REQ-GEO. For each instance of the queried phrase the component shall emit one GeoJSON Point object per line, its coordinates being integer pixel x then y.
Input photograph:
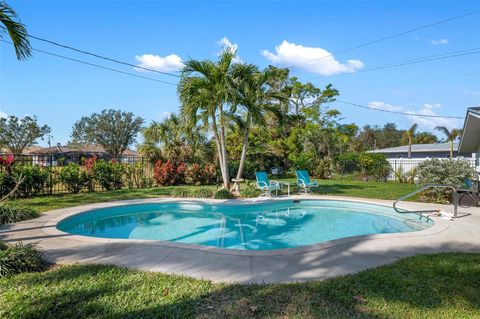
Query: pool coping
{"type": "Point", "coordinates": [50, 227]}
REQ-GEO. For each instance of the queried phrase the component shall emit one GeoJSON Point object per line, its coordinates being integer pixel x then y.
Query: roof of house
{"type": "Point", "coordinates": [26, 151]}
{"type": "Point", "coordinates": [92, 149]}
{"type": "Point", "coordinates": [418, 148]}
{"type": "Point", "coordinates": [470, 142]}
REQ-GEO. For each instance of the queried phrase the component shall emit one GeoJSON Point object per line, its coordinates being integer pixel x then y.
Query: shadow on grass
{"type": "Point", "coordinates": [442, 285]}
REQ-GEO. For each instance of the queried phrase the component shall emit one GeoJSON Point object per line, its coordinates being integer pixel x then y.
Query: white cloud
{"type": "Point", "coordinates": [3, 115]}
{"type": "Point", "coordinates": [439, 41]}
{"type": "Point", "coordinates": [471, 92]}
{"type": "Point", "coordinates": [168, 63]}
{"type": "Point", "coordinates": [165, 115]}
{"type": "Point", "coordinates": [426, 123]}
{"type": "Point", "coordinates": [226, 44]}
{"type": "Point", "coordinates": [379, 105]}
{"type": "Point", "coordinates": [310, 59]}
{"type": "Point", "coordinates": [432, 122]}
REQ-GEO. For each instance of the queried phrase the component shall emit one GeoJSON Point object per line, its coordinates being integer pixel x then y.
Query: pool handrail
{"type": "Point", "coordinates": [455, 199]}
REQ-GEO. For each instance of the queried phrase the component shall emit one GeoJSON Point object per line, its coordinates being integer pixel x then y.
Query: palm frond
{"type": "Point", "coordinates": [16, 30]}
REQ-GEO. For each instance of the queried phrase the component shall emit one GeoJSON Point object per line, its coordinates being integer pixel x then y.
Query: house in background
{"type": "Point", "coordinates": [26, 151]}
{"type": "Point", "coordinates": [62, 155]}
{"type": "Point", "coordinates": [470, 142]}
{"type": "Point", "coordinates": [423, 151]}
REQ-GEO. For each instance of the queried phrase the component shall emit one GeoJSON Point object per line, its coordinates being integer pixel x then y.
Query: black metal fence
{"type": "Point", "coordinates": [45, 178]}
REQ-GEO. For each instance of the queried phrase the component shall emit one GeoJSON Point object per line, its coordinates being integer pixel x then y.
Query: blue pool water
{"type": "Point", "coordinates": [271, 225]}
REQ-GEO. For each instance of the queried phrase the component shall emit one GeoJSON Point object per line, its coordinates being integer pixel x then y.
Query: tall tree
{"type": "Point", "coordinates": [16, 31]}
{"type": "Point", "coordinates": [425, 138]}
{"type": "Point", "coordinates": [451, 136]}
{"type": "Point", "coordinates": [170, 140]}
{"type": "Point", "coordinates": [409, 135]}
{"type": "Point", "coordinates": [206, 92]}
{"type": "Point", "coordinates": [113, 129]}
{"type": "Point", "coordinates": [17, 134]}
{"type": "Point", "coordinates": [256, 95]}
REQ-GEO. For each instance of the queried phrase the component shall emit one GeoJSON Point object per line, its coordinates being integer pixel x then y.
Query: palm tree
{"type": "Point", "coordinates": [205, 90]}
{"type": "Point", "coordinates": [16, 30]}
{"type": "Point", "coordinates": [409, 135]}
{"type": "Point", "coordinates": [170, 140]}
{"type": "Point", "coordinates": [451, 136]}
{"type": "Point", "coordinates": [256, 96]}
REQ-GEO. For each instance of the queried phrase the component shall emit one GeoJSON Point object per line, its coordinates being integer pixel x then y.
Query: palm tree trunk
{"type": "Point", "coordinates": [244, 148]}
{"type": "Point", "coordinates": [223, 150]}
{"type": "Point", "coordinates": [409, 147]}
{"type": "Point", "coordinates": [219, 149]}
{"type": "Point", "coordinates": [451, 149]}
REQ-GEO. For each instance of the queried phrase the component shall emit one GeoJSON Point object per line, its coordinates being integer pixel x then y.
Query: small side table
{"type": "Point", "coordinates": [285, 184]}
{"type": "Point", "coordinates": [236, 185]}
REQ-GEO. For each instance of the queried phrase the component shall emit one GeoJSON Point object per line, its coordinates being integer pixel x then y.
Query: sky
{"type": "Point", "coordinates": [313, 38]}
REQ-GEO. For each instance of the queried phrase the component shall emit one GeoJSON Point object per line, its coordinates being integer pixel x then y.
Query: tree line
{"type": "Point", "coordinates": [230, 113]}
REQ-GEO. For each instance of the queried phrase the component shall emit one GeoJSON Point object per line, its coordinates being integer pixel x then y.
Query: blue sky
{"type": "Point", "coordinates": [59, 92]}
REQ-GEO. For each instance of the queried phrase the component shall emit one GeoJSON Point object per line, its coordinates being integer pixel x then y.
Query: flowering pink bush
{"type": "Point", "coordinates": [7, 160]}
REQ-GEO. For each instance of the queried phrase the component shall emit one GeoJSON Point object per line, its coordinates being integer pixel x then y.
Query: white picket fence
{"type": "Point", "coordinates": [405, 165]}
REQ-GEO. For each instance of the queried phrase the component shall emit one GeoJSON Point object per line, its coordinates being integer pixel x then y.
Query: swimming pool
{"type": "Point", "coordinates": [257, 226]}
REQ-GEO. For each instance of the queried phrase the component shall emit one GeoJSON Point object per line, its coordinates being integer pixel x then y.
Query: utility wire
{"type": "Point", "coordinates": [97, 55]}
{"type": "Point", "coordinates": [424, 59]}
{"type": "Point", "coordinates": [388, 37]}
{"type": "Point", "coordinates": [97, 65]}
{"type": "Point", "coordinates": [397, 112]}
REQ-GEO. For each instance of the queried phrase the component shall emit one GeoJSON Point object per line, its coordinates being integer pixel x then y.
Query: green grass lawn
{"type": "Point", "coordinates": [327, 187]}
{"type": "Point", "coordinates": [428, 286]}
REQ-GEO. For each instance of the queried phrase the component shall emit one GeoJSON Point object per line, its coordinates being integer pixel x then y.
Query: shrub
{"type": "Point", "coordinates": [168, 173]}
{"type": "Point", "coordinates": [196, 174]}
{"type": "Point", "coordinates": [370, 165]}
{"type": "Point", "coordinates": [12, 214]}
{"type": "Point", "coordinates": [133, 175]}
{"type": "Point", "coordinates": [322, 168]}
{"type": "Point", "coordinates": [210, 174]}
{"type": "Point", "coordinates": [450, 172]}
{"type": "Point", "coordinates": [35, 179]}
{"type": "Point", "coordinates": [201, 192]}
{"type": "Point", "coordinates": [180, 192]}
{"type": "Point", "coordinates": [250, 192]}
{"type": "Point", "coordinates": [108, 174]}
{"type": "Point", "coordinates": [146, 182]}
{"type": "Point", "coordinates": [73, 178]}
{"type": "Point", "coordinates": [164, 173]}
{"type": "Point", "coordinates": [179, 177]}
{"type": "Point", "coordinates": [374, 166]}
{"type": "Point", "coordinates": [19, 258]}
{"type": "Point", "coordinates": [89, 173]}
{"type": "Point", "coordinates": [223, 194]}
{"type": "Point", "coordinates": [3, 246]}
{"type": "Point", "coordinates": [406, 177]}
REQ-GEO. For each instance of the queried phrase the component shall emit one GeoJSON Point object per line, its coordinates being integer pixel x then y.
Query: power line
{"type": "Point", "coordinates": [398, 112]}
{"type": "Point", "coordinates": [97, 55]}
{"type": "Point", "coordinates": [430, 58]}
{"type": "Point", "coordinates": [388, 37]}
{"type": "Point", "coordinates": [96, 65]}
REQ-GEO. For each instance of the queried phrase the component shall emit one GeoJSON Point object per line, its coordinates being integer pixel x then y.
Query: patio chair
{"type": "Point", "coordinates": [265, 185]}
{"type": "Point", "coordinates": [470, 195]}
{"type": "Point", "coordinates": [304, 182]}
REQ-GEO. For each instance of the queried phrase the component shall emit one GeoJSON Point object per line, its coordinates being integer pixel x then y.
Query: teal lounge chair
{"type": "Point", "coordinates": [304, 182]}
{"type": "Point", "coordinates": [265, 185]}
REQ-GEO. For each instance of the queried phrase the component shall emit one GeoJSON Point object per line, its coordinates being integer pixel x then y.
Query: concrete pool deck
{"type": "Point", "coordinates": [315, 262]}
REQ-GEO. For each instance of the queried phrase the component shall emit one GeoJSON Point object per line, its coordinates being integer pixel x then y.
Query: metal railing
{"type": "Point", "coordinates": [455, 199]}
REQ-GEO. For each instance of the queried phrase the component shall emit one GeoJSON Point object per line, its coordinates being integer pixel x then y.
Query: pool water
{"type": "Point", "coordinates": [259, 226]}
